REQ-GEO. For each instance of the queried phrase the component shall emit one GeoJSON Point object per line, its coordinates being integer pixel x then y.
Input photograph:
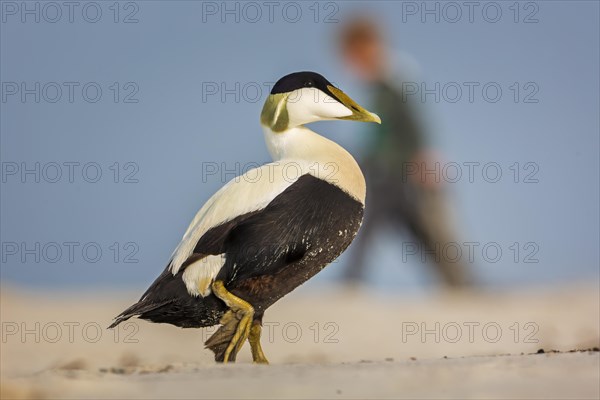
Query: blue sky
{"type": "Point", "coordinates": [179, 94]}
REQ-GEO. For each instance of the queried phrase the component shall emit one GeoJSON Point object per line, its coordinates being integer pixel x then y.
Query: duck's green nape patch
{"type": "Point", "coordinates": [274, 113]}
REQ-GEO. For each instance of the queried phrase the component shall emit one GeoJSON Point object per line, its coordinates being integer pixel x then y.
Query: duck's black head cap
{"type": "Point", "coordinates": [299, 80]}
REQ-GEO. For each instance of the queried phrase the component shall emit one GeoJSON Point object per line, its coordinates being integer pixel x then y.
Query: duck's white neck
{"type": "Point", "coordinates": [320, 156]}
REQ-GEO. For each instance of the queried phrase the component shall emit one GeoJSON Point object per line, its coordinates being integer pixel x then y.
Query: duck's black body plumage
{"type": "Point", "coordinates": [268, 253]}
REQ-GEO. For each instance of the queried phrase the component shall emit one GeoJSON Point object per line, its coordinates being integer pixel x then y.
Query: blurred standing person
{"type": "Point", "coordinates": [402, 189]}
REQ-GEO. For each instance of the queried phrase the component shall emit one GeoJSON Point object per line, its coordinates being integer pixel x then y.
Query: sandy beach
{"type": "Point", "coordinates": [321, 344]}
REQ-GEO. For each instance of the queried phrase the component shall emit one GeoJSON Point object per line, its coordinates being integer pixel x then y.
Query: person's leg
{"type": "Point", "coordinates": [430, 224]}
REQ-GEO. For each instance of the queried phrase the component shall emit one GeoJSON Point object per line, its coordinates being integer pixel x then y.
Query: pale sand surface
{"type": "Point", "coordinates": [335, 344]}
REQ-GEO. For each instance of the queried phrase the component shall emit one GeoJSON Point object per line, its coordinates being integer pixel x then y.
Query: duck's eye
{"type": "Point", "coordinates": [308, 84]}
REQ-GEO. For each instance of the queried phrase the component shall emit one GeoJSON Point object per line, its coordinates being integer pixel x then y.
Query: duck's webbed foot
{"type": "Point", "coordinates": [236, 326]}
{"type": "Point", "coordinates": [257, 353]}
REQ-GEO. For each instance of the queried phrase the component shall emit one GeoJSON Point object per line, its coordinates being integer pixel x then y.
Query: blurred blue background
{"type": "Point", "coordinates": [159, 119]}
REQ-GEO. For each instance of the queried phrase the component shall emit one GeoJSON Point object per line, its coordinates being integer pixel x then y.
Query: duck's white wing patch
{"type": "Point", "coordinates": [251, 191]}
{"type": "Point", "coordinates": [199, 275]}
